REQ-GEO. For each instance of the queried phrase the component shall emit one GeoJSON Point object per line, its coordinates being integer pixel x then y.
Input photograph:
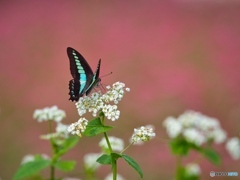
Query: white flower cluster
{"type": "Point", "coordinates": [117, 144]}
{"type": "Point", "coordinates": [97, 102]}
{"type": "Point", "coordinates": [110, 177]}
{"type": "Point", "coordinates": [143, 134]}
{"type": "Point", "coordinates": [30, 158]}
{"type": "Point", "coordinates": [233, 147]}
{"type": "Point", "coordinates": [59, 136]}
{"type": "Point", "coordinates": [62, 129]}
{"type": "Point", "coordinates": [195, 127]}
{"type": "Point", "coordinates": [49, 113]}
{"type": "Point", "coordinates": [90, 161]}
{"type": "Point", "coordinates": [78, 127]}
{"type": "Point", "coordinates": [193, 169]}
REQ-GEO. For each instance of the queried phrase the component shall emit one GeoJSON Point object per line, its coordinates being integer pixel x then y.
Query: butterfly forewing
{"type": "Point", "coordinates": [78, 63]}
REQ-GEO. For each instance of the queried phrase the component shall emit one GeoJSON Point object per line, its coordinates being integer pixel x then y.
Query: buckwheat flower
{"type": "Point", "coordinates": [189, 118]}
{"type": "Point", "coordinates": [49, 113]}
{"type": "Point", "coordinates": [195, 127]}
{"type": "Point", "coordinates": [233, 148]}
{"type": "Point", "coordinates": [62, 129]}
{"type": "Point", "coordinates": [90, 162]}
{"type": "Point", "coordinates": [111, 112]}
{"type": "Point", "coordinates": [117, 144]}
{"type": "Point", "coordinates": [30, 158]}
{"type": "Point", "coordinates": [101, 102]}
{"type": "Point", "coordinates": [27, 158]}
{"type": "Point", "coordinates": [115, 93]}
{"type": "Point", "coordinates": [59, 136]}
{"type": "Point", "coordinates": [194, 136]}
{"type": "Point", "coordinates": [78, 127]}
{"type": "Point", "coordinates": [50, 136]}
{"type": "Point", "coordinates": [83, 104]}
{"type": "Point", "coordinates": [193, 169]}
{"type": "Point", "coordinates": [218, 135]}
{"type": "Point", "coordinates": [96, 105]}
{"type": "Point", "coordinates": [91, 104]}
{"type": "Point", "coordinates": [144, 134]}
{"type": "Point", "coordinates": [109, 177]}
{"type": "Point", "coordinates": [208, 123]}
{"type": "Point", "coordinates": [173, 127]}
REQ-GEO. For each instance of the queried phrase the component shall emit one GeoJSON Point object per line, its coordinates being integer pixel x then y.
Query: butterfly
{"type": "Point", "coordinates": [84, 80]}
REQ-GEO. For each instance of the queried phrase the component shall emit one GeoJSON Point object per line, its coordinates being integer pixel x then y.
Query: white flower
{"type": "Point", "coordinates": [111, 112]}
{"type": "Point", "coordinates": [27, 158]}
{"type": "Point", "coordinates": [97, 102]}
{"type": "Point", "coordinates": [117, 144]}
{"type": "Point", "coordinates": [195, 127]}
{"type": "Point", "coordinates": [78, 127]}
{"type": "Point", "coordinates": [218, 135]}
{"type": "Point", "coordinates": [189, 118]}
{"type": "Point", "coordinates": [194, 136]}
{"type": "Point", "coordinates": [110, 176]}
{"type": "Point", "coordinates": [207, 123]}
{"type": "Point", "coordinates": [233, 148]}
{"type": "Point", "coordinates": [193, 169]}
{"type": "Point", "coordinates": [173, 127]}
{"type": "Point", "coordinates": [143, 134]}
{"type": "Point", "coordinates": [30, 158]}
{"type": "Point", "coordinates": [90, 161]}
{"type": "Point", "coordinates": [59, 136]}
{"type": "Point", "coordinates": [49, 113]}
{"type": "Point", "coordinates": [62, 129]}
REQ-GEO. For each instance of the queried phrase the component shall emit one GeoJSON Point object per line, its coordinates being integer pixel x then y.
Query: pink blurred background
{"type": "Point", "coordinates": [174, 55]}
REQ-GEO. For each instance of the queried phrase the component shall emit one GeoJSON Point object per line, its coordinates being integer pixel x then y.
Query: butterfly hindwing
{"type": "Point", "coordinates": [83, 78]}
{"type": "Point", "coordinates": [74, 87]}
{"type": "Point", "coordinates": [95, 78]}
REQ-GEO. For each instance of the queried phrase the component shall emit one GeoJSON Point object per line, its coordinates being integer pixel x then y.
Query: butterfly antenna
{"type": "Point", "coordinates": [106, 74]}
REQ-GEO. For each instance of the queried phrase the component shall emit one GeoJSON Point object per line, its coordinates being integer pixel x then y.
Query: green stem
{"type": "Point", "coordinates": [179, 161]}
{"type": "Point", "coordinates": [114, 169]}
{"type": "Point", "coordinates": [178, 167]}
{"type": "Point", "coordinates": [126, 148]}
{"type": "Point", "coordinates": [114, 161]}
{"type": "Point", "coordinates": [108, 143]}
{"type": "Point", "coordinates": [52, 172]}
{"type": "Point", "coordinates": [52, 168]}
{"type": "Point", "coordinates": [89, 174]}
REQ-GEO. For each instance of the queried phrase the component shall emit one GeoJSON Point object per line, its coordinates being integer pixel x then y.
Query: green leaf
{"type": "Point", "coordinates": [31, 168]}
{"type": "Point", "coordinates": [115, 156]}
{"type": "Point", "coordinates": [133, 163]}
{"type": "Point", "coordinates": [65, 165]}
{"type": "Point", "coordinates": [95, 127]}
{"type": "Point", "coordinates": [68, 144]}
{"type": "Point", "coordinates": [179, 146]}
{"type": "Point", "coordinates": [105, 159]}
{"type": "Point", "coordinates": [212, 156]}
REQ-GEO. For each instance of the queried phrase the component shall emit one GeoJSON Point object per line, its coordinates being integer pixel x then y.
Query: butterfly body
{"type": "Point", "coordinates": [84, 80]}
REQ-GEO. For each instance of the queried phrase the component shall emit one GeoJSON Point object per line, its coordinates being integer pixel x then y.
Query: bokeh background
{"type": "Point", "coordinates": [174, 55]}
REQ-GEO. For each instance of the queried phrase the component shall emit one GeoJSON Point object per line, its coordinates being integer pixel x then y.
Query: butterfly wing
{"type": "Point", "coordinates": [81, 72]}
{"type": "Point", "coordinates": [95, 78]}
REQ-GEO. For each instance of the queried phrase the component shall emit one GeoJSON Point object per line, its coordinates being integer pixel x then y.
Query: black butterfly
{"type": "Point", "coordinates": [83, 78]}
